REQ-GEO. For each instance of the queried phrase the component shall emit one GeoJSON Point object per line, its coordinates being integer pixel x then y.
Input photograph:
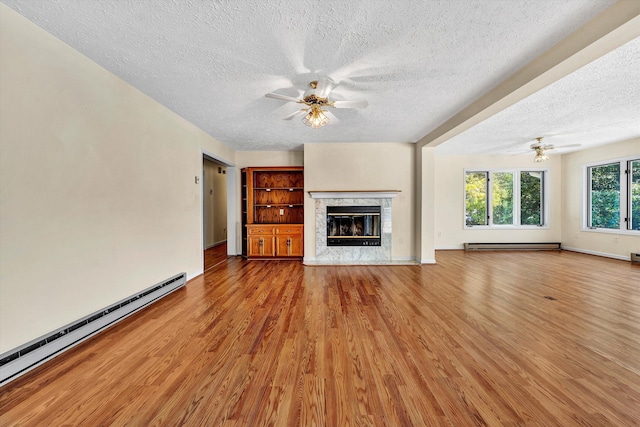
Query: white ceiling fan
{"type": "Point", "coordinates": [315, 100]}
{"type": "Point", "coordinates": [540, 149]}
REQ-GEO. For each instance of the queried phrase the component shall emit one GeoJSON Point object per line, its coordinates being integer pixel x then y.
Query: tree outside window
{"type": "Point", "coordinates": [605, 196]}
{"type": "Point", "coordinates": [514, 198]}
{"type": "Point", "coordinates": [634, 184]}
{"type": "Point", "coordinates": [502, 197]}
{"type": "Point", "coordinates": [613, 195]}
{"type": "Point", "coordinates": [476, 198]}
{"type": "Point", "coordinates": [531, 187]}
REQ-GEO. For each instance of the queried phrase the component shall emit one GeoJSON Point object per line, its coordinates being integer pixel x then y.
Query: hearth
{"type": "Point", "coordinates": [353, 226]}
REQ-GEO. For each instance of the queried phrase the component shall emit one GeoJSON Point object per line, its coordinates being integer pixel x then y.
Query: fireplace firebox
{"type": "Point", "coordinates": [353, 226]}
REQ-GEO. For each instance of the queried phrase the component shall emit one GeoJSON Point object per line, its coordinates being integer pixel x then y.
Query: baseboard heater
{"type": "Point", "coordinates": [553, 246]}
{"type": "Point", "coordinates": [635, 258]}
{"type": "Point", "coordinates": [34, 353]}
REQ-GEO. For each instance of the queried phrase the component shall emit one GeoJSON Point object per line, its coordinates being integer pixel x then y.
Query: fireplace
{"type": "Point", "coordinates": [378, 248]}
{"type": "Point", "coordinates": [353, 226]}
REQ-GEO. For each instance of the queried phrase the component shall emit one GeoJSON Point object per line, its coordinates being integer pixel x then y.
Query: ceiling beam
{"type": "Point", "coordinates": [606, 32]}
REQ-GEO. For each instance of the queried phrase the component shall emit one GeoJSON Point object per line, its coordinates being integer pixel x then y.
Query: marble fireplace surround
{"type": "Point", "coordinates": [352, 255]}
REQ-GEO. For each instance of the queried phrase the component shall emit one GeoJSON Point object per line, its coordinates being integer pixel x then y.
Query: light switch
{"type": "Point", "coordinates": [281, 211]}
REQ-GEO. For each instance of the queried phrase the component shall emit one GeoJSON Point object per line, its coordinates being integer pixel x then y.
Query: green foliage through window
{"type": "Point", "coordinates": [531, 198]}
{"type": "Point", "coordinates": [516, 198]}
{"type": "Point", "coordinates": [476, 198]}
{"type": "Point", "coordinates": [502, 195]}
{"type": "Point", "coordinates": [634, 184]}
{"type": "Point", "coordinates": [614, 195]}
{"type": "Point", "coordinates": [605, 196]}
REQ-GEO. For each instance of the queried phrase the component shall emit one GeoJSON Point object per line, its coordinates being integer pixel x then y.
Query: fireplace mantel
{"type": "Point", "coordinates": [354, 194]}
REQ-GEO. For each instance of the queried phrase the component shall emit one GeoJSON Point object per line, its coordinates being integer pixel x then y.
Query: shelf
{"type": "Point", "coordinates": [274, 197]}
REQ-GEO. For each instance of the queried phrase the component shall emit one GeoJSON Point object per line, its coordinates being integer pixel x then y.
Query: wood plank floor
{"type": "Point", "coordinates": [470, 341]}
{"type": "Point", "coordinates": [215, 255]}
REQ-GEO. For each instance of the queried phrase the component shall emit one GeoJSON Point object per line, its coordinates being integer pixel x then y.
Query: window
{"type": "Point", "coordinates": [476, 198]}
{"type": "Point", "coordinates": [634, 189]}
{"type": "Point", "coordinates": [613, 195]}
{"type": "Point", "coordinates": [505, 198]}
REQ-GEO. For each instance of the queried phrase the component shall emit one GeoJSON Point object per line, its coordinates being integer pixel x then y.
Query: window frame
{"type": "Point", "coordinates": [625, 196]}
{"type": "Point", "coordinates": [517, 199]}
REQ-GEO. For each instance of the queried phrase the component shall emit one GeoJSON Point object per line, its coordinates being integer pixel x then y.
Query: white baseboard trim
{"type": "Point", "coordinates": [603, 254]}
{"type": "Point", "coordinates": [404, 259]}
{"type": "Point", "coordinates": [450, 248]}
{"type": "Point", "coordinates": [428, 261]}
{"type": "Point", "coordinates": [194, 275]}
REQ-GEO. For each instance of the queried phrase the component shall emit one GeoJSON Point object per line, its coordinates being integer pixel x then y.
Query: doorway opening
{"type": "Point", "coordinates": [218, 237]}
{"type": "Point", "coordinates": [214, 189]}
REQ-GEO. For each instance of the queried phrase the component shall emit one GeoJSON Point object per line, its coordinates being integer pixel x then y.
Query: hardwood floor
{"type": "Point", "coordinates": [215, 255]}
{"type": "Point", "coordinates": [473, 340]}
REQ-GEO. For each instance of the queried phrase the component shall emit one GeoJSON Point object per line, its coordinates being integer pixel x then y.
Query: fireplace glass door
{"type": "Point", "coordinates": [353, 226]}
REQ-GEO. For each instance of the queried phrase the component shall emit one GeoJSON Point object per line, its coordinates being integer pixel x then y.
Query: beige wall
{"type": "Point", "coordinates": [449, 198]}
{"type": "Point", "coordinates": [573, 235]}
{"type": "Point", "coordinates": [269, 158]}
{"type": "Point", "coordinates": [363, 166]}
{"type": "Point", "coordinates": [97, 192]}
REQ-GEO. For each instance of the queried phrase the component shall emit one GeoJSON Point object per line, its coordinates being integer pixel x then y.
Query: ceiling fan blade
{"type": "Point", "coordinates": [282, 97]}
{"type": "Point", "coordinates": [332, 118]}
{"type": "Point", "coordinates": [296, 114]}
{"type": "Point", "coordinates": [323, 87]}
{"type": "Point", "coordinates": [568, 146]}
{"type": "Point", "coordinates": [350, 104]}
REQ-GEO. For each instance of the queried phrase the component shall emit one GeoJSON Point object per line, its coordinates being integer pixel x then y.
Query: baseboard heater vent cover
{"type": "Point", "coordinates": [553, 246]}
{"type": "Point", "coordinates": [32, 354]}
{"type": "Point", "coordinates": [635, 258]}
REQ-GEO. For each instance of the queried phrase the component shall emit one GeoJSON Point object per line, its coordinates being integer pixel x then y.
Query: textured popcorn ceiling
{"type": "Point", "coordinates": [416, 62]}
{"type": "Point", "coordinates": [597, 104]}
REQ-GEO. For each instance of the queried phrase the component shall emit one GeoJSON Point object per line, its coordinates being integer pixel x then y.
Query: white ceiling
{"type": "Point", "coordinates": [416, 62]}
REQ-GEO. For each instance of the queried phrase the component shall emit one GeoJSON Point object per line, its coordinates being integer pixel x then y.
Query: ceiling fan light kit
{"type": "Point", "coordinates": [539, 148]}
{"type": "Point", "coordinates": [540, 155]}
{"type": "Point", "coordinates": [315, 116]}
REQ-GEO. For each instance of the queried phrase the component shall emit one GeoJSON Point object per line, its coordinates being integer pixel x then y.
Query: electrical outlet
{"type": "Point", "coordinates": [281, 211]}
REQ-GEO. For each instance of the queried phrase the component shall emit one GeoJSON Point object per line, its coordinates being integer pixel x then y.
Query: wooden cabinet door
{"type": "Point", "coordinates": [296, 246]}
{"type": "Point", "coordinates": [289, 245]}
{"type": "Point", "coordinates": [260, 246]}
{"type": "Point", "coordinates": [289, 240]}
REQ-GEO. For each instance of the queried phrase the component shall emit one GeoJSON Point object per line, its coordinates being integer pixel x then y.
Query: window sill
{"type": "Point", "coordinates": [506, 227]}
{"type": "Point", "coordinates": [612, 231]}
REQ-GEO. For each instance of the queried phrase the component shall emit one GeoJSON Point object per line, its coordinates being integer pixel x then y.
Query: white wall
{"type": "Point", "coordinates": [363, 166]}
{"type": "Point", "coordinates": [98, 198]}
{"type": "Point", "coordinates": [573, 235]}
{"type": "Point", "coordinates": [449, 196]}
